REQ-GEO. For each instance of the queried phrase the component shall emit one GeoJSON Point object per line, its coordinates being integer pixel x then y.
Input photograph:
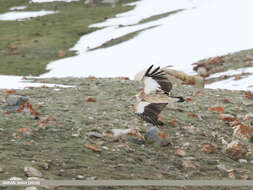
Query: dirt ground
{"type": "Point", "coordinates": [56, 144]}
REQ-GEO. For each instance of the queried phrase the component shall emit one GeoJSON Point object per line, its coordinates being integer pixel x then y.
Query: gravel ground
{"type": "Point", "coordinates": [60, 146]}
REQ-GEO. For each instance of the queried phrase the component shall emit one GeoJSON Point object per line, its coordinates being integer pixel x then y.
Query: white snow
{"type": "Point", "coordinates": [24, 14]}
{"type": "Point", "coordinates": [18, 8]}
{"type": "Point", "coordinates": [205, 28]}
{"type": "Point", "coordinates": [16, 82]}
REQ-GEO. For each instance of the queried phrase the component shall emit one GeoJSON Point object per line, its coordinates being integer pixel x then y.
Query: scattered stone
{"type": "Point", "coordinates": [105, 147]}
{"type": "Point", "coordinates": [248, 116]}
{"type": "Point", "coordinates": [223, 168]}
{"type": "Point", "coordinates": [155, 135]}
{"type": "Point", "coordinates": [202, 71]}
{"type": "Point", "coordinates": [80, 177]}
{"type": "Point", "coordinates": [61, 53]}
{"type": "Point", "coordinates": [15, 178]}
{"type": "Point", "coordinates": [243, 161]}
{"type": "Point", "coordinates": [231, 175]}
{"type": "Point", "coordinates": [94, 134]}
{"type": "Point", "coordinates": [1, 170]}
{"type": "Point", "coordinates": [31, 188]}
{"type": "Point", "coordinates": [188, 164]}
{"type": "Point", "coordinates": [32, 172]}
{"type": "Point", "coordinates": [90, 99]}
{"type": "Point", "coordinates": [243, 132]}
{"type": "Point", "coordinates": [180, 152]}
{"type": "Point", "coordinates": [92, 178]}
{"type": "Point", "coordinates": [45, 166]}
{"type": "Point", "coordinates": [191, 129]}
{"type": "Point", "coordinates": [208, 147]}
{"type": "Point", "coordinates": [26, 132]}
{"type": "Point", "coordinates": [226, 117]}
{"type": "Point", "coordinates": [14, 102]}
{"type": "Point", "coordinates": [186, 144]}
{"type": "Point", "coordinates": [75, 133]}
{"type": "Point", "coordinates": [235, 150]}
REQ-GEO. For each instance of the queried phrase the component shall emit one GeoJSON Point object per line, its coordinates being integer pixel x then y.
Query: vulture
{"type": "Point", "coordinates": [155, 96]}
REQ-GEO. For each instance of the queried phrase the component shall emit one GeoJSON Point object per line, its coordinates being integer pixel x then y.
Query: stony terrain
{"type": "Point", "coordinates": [56, 139]}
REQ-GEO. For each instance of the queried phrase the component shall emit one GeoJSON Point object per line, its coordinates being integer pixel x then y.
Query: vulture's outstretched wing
{"type": "Point", "coordinates": [156, 80]}
{"type": "Point", "coordinates": [149, 111]}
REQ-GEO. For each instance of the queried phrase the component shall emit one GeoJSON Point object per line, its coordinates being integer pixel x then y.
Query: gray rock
{"type": "Point", "coordinates": [31, 188]}
{"type": "Point", "coordinates": [32, 172]}
{"type": "Point", "coordinates": [14, 102]}
{"type": "Point", "coordinates": [155, 135]}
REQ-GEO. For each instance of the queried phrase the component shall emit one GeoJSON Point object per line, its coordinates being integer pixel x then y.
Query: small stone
{"type": "Point", "coordinates": [180, 152]}
{"type": "Point", "coordinates": [231, 175]}
{"type": "Point", "coordinates": [1, 170]}
{"type": "Point", "coordinates": [14, 102]}
{"type": "Point", "coordinates": [61, 53]}
{"type": "Point", "coordinates": [186, 144]}
{"type": "Point", "coordinates": [45, 166]}
{"type": "Point", "coordinates": [188, 164]}
{"type": "Point", "coordinates": [223, 168]}
{"type": "Point", "coordinates": [80, 177]}
{"type": "Point", "coordinates": [208, 147]}
{"type": "Point", "coordinates": [202, 71]}
{"type": "Point", "coordinates": [75, 133]}
{"type": "Point", "coordinates": [32, 172]}
{"type": "Point", "coordinates": [242, 161]}
{"type": "Point", "coordinates": [94, 134]}
{"type": "Point", "coordinates": [226, 117]}
{"type": "Point", "coordinates": [105, 147]}
{"type": "Point", "coordinates": [15, 178]}
{"type": "Point", "coordinates": [191, 129]}
{"type": "Point", "coordinates": [31, 188]}
{"type": "Point", "coordinates": [26, 131]}
{"type": "Point", "coordinates": [235, 150]}
{"type": "Point", "coordinates": [155, 135]}
{"type": "Point", "coordinates": [92, 178]}
{"type": "Point", "coordinates": [34, 178]}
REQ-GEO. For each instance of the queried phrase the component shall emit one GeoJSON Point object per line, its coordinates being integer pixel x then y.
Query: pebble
{"type": "Point", "coordinates": [155, 135]}
{"type": "Point", "coordinates": [1, 170]}
{"type": "Point", "coordinates": [31, 188]}
{"type": "Point", "coordinates": [180, 152]}
{"type": "Point", "coordinates": [242, 161]}
{"type": "Point", "coordinates": [13, 102]}
{"type": "Point", "coordinates": [80, 177]}
{"type": "Point", "coordinates": [94, 134]}
{"type": "Point", "coordinates": [105, 148]}
{"type": "Point", "coordinates": [15, 178]}
{"type": "Point", "coordinates": [202, 71]}
{"type": "Point", "coordinates": [32, 172]}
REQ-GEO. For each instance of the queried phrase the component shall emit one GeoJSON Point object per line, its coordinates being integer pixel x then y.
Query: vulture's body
{"type": "Point", "coordinates": [155, 96]}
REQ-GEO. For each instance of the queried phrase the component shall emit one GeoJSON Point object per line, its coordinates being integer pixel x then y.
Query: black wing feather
{"type": "Point", "coordinates": [160, 78]}
{"type": "Point", "coordinates": [151, 113]}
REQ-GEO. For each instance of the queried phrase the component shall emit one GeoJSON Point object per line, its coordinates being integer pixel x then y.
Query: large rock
{"type": "Point", "coordinates": [14, 102]}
